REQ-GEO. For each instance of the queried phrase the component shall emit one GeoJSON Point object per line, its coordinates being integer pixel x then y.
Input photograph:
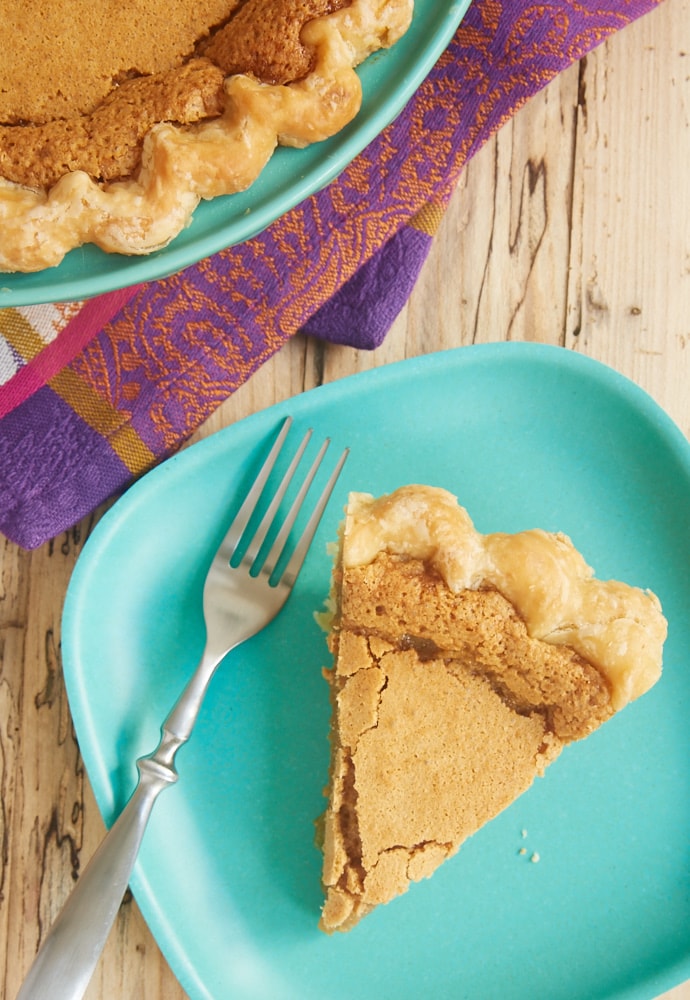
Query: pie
{"type": "Point", "coordinates": [113, 135]}
{"type": "Point", "coordinates": [464, 663]}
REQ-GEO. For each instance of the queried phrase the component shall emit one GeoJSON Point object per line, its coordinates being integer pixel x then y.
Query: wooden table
{"type": "Point", "coordinates": [571, 227]}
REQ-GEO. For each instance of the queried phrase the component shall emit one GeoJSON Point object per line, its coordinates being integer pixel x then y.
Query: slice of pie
{"type": "Point", "coordinates": [463, 664]}
{"type": "Point", "coordinates": [116, 120]}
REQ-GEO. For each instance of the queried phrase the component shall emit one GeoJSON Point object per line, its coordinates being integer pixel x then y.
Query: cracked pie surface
{"type": "Point", "coordinates": [463, 663]}
{"type": "Point", "coordinates": [116, 119]}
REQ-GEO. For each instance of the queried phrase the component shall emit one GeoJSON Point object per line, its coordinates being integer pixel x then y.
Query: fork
{"type": "Point", "coordinates": [242, 593]}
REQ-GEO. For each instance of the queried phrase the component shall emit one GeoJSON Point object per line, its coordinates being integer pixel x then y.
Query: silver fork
{"type": "Point", "coordinates": [238, 602]}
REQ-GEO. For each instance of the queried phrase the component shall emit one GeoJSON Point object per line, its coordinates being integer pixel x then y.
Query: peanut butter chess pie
{"type": "Point", "coordinates": [463, 664]}
{"type": "Point", "coordinates": [117, 118]}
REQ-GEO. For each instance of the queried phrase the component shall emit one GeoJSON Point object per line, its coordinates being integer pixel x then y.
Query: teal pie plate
{"type": "Point", "coordinates": [389, 79]}
{"type": "Point", "coordinates": [228, 877]}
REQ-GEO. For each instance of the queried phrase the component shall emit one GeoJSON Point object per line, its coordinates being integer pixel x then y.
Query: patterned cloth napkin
{"type": "Point", "coordinates": [92, 394]}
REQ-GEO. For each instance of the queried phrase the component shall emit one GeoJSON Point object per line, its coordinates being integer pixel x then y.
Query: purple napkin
{"type": "Point", "coordinates": [85, 412]}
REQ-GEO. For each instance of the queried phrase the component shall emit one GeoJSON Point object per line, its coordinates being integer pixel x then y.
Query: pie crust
{"type": "Point", "coordinates": [464, 663]}
{"type": "Point", "coordinates": [233, 123]}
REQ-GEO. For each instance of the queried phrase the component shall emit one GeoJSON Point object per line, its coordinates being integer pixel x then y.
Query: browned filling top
{"type": "Point", "coordinates": [90, 98]}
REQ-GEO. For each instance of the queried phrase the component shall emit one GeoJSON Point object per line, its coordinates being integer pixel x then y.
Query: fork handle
{"type": "Point", "coordinates": [70, 952]}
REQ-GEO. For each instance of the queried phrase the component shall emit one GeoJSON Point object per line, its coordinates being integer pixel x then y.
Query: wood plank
{"type": "Point", "coordinates": [629, 294]}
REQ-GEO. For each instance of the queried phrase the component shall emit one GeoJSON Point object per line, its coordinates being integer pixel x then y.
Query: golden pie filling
{"type": "Point", "coordinates": [116, 120]}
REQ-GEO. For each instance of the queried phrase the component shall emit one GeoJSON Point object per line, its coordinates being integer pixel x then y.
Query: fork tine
{"type": "Point", "coordinates": [267, 520]}
{"type": "Point", "coordinates": [282, 536]}
{"type": "Point", "coordinates": [236, 529]}
{"type": "Point", "coordinates": [294, 565]}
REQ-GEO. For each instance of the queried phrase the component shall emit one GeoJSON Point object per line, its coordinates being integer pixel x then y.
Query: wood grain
{"type": "Point", "coordinates": [570, 227]}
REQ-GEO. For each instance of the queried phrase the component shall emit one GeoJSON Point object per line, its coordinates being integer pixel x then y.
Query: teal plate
{"type": "Point", "coordinates": [389, 79]}
{"type": "Point", "coordinates": [228, 877]}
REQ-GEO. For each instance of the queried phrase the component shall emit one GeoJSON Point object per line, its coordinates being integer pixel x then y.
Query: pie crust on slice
{"type": "Point", "coordinates": [463, 664]}
{"type": "Point", "coordinates": [117, 119]}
